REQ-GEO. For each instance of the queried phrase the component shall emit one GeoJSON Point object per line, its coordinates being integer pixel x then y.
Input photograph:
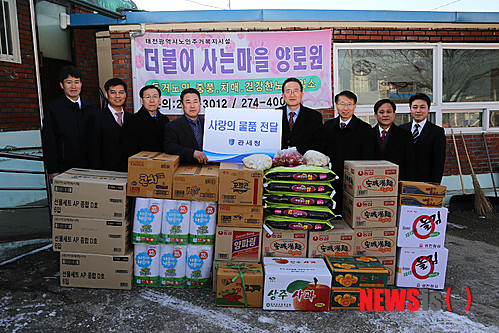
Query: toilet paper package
{"type": "Point", "coordinates": [175, 221]}
{"type": "Point", "coordinates": [203, 222]}
{"type": "Point", "coordinates": [146, 264]}
{"type": "Point", "coordinates": [199, 262]}
{"type": "Point", "coordinates": [147, 221]}
{"type": "Point", "coordinates": [172, 265]}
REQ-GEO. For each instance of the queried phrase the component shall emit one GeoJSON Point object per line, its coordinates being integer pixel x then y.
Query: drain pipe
{"type": "Point", "coordinates": [134, 34]}
{"type": "Point", "coordinates": [36, 59]}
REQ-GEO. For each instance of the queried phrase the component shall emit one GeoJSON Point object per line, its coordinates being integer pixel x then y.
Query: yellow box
{"type": "Point", "coordinates": [421, 200]}
{"type": "Point", "coordinates": [196, 182]}
{"type": "Point", "coordinates": [420, 188]}
{"type": "Point", "coordinates": [240, 216]}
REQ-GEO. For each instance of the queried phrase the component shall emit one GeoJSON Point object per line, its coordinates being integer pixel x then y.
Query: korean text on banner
{"type": "Point", "coordinates": [232, 134]}
{"type": "Point", "coordinates": [234, 70]}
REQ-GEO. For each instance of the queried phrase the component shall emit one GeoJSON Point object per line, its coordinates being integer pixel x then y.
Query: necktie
{"type": "Point", "coordinates": [415, 134]}
{"type": "Point", "coordinates": [120, 118]}
{"type": "Point", "coordinates": [291, 121]}
{"type": "Point", "coordinates": [198, 134]}
{"type": "Point", "coordinates": [383, 134]}
{"type": "Point", "coordinates": [343, 125]}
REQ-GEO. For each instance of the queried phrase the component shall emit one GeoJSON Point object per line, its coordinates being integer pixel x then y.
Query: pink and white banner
{"type": "Point", "coordinates": [234, 70]}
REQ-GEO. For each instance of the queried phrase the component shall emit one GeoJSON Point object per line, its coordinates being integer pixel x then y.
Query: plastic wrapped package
{"type": "Point", "coordinates": [258, 162]}
{"type": "Point", "coordinates": [313, 157]}
{"type": "Point", "coordinates": [287, 157]}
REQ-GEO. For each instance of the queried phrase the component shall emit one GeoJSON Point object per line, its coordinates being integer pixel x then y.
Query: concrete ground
{"type": "Point", "coordinates": [33, 301]}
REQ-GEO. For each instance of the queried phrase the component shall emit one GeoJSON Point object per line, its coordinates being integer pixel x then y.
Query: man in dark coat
{"type": "Point", "coordinates": [344, 138]}
{"type": "Point", "coordinates": [392, 143]}
{"type": "Point", "coordinates": [66, 125]}
{"type": "Point", "coordinates": [184, 135]}
{"type": "Point", "coordinates": [299, 123]}
{"type": "Point", "coordinates": [107, 149]}
{"type": "Point", "coordinates": [145, 130]}
{"type": "Point", "coordinates": [429, 141]}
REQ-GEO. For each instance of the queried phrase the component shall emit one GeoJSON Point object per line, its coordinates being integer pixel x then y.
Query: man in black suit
{"type": "Point", "coordinates": [107, 149]}
{"type": "Point", "coordinates": [429, 141]}
{"type": "Point", "coordinates": [145, 130]}
{"type": "Point", "coordinates": [184, 135]}
{"type": "Point", "coordinates": [393, 143]}
{"type": "Point", "coordinates": [66, 125]}
{"type": "Point", "coordinates": [344, 138]}
{"type": "Point", "coordinates": [299, 123]}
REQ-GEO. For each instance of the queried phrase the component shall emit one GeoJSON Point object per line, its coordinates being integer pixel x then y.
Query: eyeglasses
{"type": "Point", "coordinates": [345, 104]}
{"type": "Point", "coordinates": [289, 92]}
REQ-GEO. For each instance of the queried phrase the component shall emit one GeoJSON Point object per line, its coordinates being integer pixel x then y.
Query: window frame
{"type": "Point", "coordinates": [437, 106]}
{"type": "Point", "coordinates": [16, 50]}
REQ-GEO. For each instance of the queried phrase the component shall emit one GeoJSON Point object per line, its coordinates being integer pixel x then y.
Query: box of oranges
{"type": "Point", "coordinates": [357, 272]}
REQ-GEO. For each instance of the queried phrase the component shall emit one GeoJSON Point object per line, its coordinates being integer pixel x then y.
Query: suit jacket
{"type": "Point", "coordinates": [398, 148]}
{"type": "Point", "coordinates": [143, 132]}
{"type": "Point", "coordinates": [65, 133]}
{"type": "Point", "coordinates": [307, 124]}
{"type": "Point", "coordinates": [180, 140]}
{"type": "Point", "coordinates": [429, 152]}
{"type": "Point", "coordinates": [107, 147]}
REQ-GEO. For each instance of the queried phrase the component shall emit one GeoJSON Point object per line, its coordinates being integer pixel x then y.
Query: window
{"type": "Point", "coordinates": [462, 118]}
{"type": "Point", "coordinates": [494, 118]}
{"type": "Point", "coordinates": [9, 37]}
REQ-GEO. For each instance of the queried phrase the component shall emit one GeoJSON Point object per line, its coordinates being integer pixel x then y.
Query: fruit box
{"type": "Point", "coordinates": [357, 272]}
{"type": "Point", "coordinates": [345, 299]}
{"type": "Point", "coordinates": [230, 288]}
{"type": "Point", "coordinates": [299, 284]}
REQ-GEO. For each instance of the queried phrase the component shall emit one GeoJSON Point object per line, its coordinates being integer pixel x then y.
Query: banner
{"type": "Point", "coordinates": [231, 135]}
{"type": "Point", "coordinates": [234, 70]}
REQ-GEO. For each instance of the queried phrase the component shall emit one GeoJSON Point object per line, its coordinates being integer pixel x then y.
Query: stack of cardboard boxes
{"type": "Point", "coordinates": [422, 222]}
{"type": "Point", "coordinates": [91, 229]}
{"type": "Point", "coordinates": [370, 208]}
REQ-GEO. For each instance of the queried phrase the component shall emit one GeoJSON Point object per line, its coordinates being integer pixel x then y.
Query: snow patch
{"type": "Point", "coordinates": [457, 226]}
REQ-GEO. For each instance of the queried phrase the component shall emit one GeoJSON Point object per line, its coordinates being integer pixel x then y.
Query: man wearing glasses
{"type": "Point", "coordinates": [299, 123]}
{"type": "Point", "coordinates": [144, 131]}
{"type": "Point", "coordinates": [344, 138]}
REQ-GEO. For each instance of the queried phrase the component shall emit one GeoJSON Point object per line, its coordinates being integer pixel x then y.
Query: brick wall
{"type": "Point", "coordinates": [18, 93]}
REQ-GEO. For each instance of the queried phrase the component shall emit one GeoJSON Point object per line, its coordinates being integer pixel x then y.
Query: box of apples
{"type": "Point", "coordinates": [298, 284]}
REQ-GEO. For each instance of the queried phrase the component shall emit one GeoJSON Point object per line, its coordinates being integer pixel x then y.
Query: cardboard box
{"type": "Point", "coordinates": [240, 185]}
{"type": "Point", "coordinates": [378, 242]}
{"type": "Point", "coordinates": [232, 292]}
{"type": "Point", "coordinates": [376, 212]}
{"type": "Point", "coordinates": [90, 193]}
{"type": "Point", "coordinates": [357, 272]}
{"type": "Point", "coordinates": [338, 241]}
{"type": "Point", "coordinates": [371, 178]}
{"type": "Point", "coordinates": [389, 263]}
{"type": "Point", "coordinates": [299, 285]}
{"type": "Point", "coordinates": [345, 299]}
{"type": "Point", "coordinates": [150, 174]}
{"type": "Point", "coordinates": [285, 243]}
{"type": "Point", "coordinates": [240, 216]}
{"type": "Point", "coordinates": [420, 200]}
{"type": "Point", "coordinates": [80, 234]}
{"type": "Point", "coordinates": [421, 268]}
{"type": "Point", "coordinates": [419, 188]}
{"type": "Point", "coordinates": [196, 182]}
{"type": "Point", "coordinates": [238, 243]}
{"type": "Point", "coordinates": [421, 226]}
{"type": "Point", "coordinates": [96, 270]}
{"type": "Point", "coordinates": [220, 263]}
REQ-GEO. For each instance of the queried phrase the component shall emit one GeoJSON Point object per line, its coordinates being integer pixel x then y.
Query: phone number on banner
{"type": "Point", "coordinates": [210, 102]}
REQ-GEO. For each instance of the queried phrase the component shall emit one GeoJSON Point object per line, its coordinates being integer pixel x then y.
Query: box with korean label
{"type": "Point", "coordinates": [378, 242]}
{"type": "Point", "coordinates": [238, 243]}
{"type": "Point", "coordinates": [420, 188]}
{"type": "Point", "coordinates": [196, 182]}
{"type": "Point", "coordinates": [345, 299]}
{"type": "Point", "coordinates": [285, 243]}
{"type": "Point", "coordinates": [240, 285]}
{"type": "Point", "coordinates": [80, 234]}
{"type": "Point", "coordinates": [150, 174]}
{"type": "Point", "coordinates": [420, 200]}
{"type": "Point", "coordinates": [371, 178]}
{"type": "Point", "coordinates": [376, 212]}
{"type": "Point", "coordinates": [338, 241]}
{"type": "Point", "coordinates": [96, 270]}
{"type": "Point", "coordinates": [421, 268]}
{"type": "Point", "coordinates": [240, 185]}
{"type": "Point", "coordinates": [296, 284]}
{"type": "Point", "coordinates": [421, 226]}
{"type": "Point", "coordinates": [90, 193]}
{"type": "Point", "coordinates": [357, 272]}
{"type": "Point", "coordinates": [240, 216]}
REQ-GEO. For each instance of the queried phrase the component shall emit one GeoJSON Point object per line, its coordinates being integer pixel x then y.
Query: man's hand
{"type": "Point", "coordinates": [200, 156]}
{"type": "Point", "coordinates": [52, 175]}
